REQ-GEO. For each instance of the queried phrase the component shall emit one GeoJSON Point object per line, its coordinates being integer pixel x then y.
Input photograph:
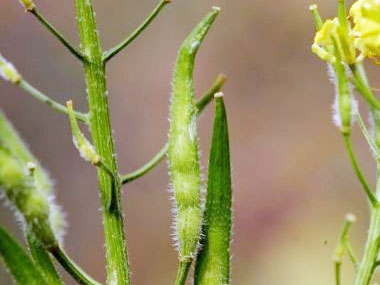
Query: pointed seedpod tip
{"type": "Point", "coordinates": [219, 95]}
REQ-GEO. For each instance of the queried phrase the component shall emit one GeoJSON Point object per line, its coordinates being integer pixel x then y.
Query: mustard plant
{"type": "Point", "coordinates": [345, 42]}
{"type": "Point", "coordinates": [203, 232]}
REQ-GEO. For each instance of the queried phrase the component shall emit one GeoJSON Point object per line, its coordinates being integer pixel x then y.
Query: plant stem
{"type": "Point", "coordinates": [367, 266]}
{"type": "Point", "coordinates": [59, 36]}
{"type": "Point", "coordinates": [359, 174]}
{"type": "Point", "coordinates": [183, 271]}
{"type": "Point", "coordinates": [50, 102]}
{"type": "Point", "coordinates": [201, 104]}
{"type": "Point", "coordinates": [112, 52]}
{"type": "Point", "coordinates": [101, 132]}
{"type": "Point", "coordinates": [75, 271]}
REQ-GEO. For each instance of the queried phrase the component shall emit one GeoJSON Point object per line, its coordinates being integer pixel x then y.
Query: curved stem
{"type": "Point", "coordinates": [58, 35]}
{"type": "Point", "coordinates": [146, 167]}
{"type": "Point", "coordinates": [47, 100]}
{"type": "Point", "coordinates": [358, 172]}
{"type": "Point", "coordinates": [72, 268]}
{"type": "Point", "coordinates": [112, 52]}
{"type": "Point", "coordinates": [201, 104]}
{"type": "Point", "coordinates": [183, 271]}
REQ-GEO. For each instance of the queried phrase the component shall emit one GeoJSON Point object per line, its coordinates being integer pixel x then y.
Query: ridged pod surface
{"type": "Point", "coordinates": [183, 144]}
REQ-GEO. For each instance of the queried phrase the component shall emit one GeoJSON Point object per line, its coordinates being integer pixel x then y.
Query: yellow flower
{"type": "Point", "coordinates": [333, 35]}
{"type": "Point", "coordinates": [366, 18]}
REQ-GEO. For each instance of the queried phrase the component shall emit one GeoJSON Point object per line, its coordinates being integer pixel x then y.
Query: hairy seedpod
{"type": "Point", "coordinates": [183, 144]}
{"type": "Point", "coordinates": [213, 261]}
{"type": "Point", "coordinates": [20, 189]}
{"type": "Point", "coordinates": [28, 187]}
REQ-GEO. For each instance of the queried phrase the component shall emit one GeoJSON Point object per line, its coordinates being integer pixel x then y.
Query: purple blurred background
{"type": "Point", "coordinates": [293, 183]}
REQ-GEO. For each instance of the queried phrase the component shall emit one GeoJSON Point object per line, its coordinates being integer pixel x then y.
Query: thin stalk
{"type": "Point", "coordinates": [362, 85]}
{"type": "Point", "coordinates": [367, 266]}
{"type": "Point", "coordinates": [73, 269]}
{"type": "Point", "coordinates": [101, 133]}
{"type": "Point", "coordinates": [114, 51]}
{"type": "Point", "coordinates": [352, 255]}
{"type": "Point", "coordinates": [338, 266]}
{"type": "Point", "coordinates": [201, 104]}
{"type": "Point", "coordinates": [358, 172]}
{"type": "Point", "coordinates": [78, 54]}
{"type": "Point", "coordinates": [48, 101]}
{"type": "Point", "coordinates": [183, 271]}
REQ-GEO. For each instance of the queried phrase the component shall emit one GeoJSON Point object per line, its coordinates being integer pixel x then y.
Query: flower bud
{"type": "Point", "coordinates": [8, 72]}
{"type": "Point", "coordinates": [28, 4]}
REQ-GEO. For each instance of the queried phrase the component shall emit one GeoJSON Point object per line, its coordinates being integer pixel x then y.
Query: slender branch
{"type": "Point", "coordinates": [351, 255]}
{"type": "Point", "coordinates": [78, 54]}
{"type": "Point", "coordinates": [72, 268]}
{"type": "Point", "coordinates": [358, 172]}
{"type": "Point", "coordinates": [372, 145]}
{"type": "Point", "coordinates": [183, 271]}
{"type": "Point", "coordinates": [201, 104]}
{"type": "Point", "coordinates": [362, 85]}
{"type": "Point", "coordinates": [342, 246]}
{"type": "Point", "coordinates": [48, 101]}
{"type": "Point", "coordinates": [112, 52]}
{"type": "Point", "coordinates": [146, 167]}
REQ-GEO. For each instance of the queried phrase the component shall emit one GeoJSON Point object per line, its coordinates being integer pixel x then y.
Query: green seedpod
{"type": "Point", "coordinates": [213, 261]}
{"type": "Point", "coordinates": [28, 187]}
{"type": "Point", "coordinates": [19, 187]}
{"type": "Point", "coordinates": [183, 144]}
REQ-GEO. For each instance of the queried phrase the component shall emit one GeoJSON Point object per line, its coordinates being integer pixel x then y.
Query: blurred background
{"type": "Point", "coordinates": [293, 183]}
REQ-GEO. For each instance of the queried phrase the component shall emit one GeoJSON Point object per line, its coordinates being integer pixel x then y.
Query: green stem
{"type": "Point", "coordinates": [362, 85]}
{"type": "Point", "coordinates": [112, 52]}
{"type": "Point", "coordinates": [183, 271]}
{"type": "Point", "coordinates": [48, 101]}
{"type": "Point", "coordinates": [367, 266]}
{"type": "Point", "coordinates": [146, 167]}
{"type": "Point", "coordinates": [337, 265]}
{"type": "Point", "coordinates": [359, 174]}
{"type": "Point", "coordinates": [57, 34]}
{"type": "Point", "coordinates": [75, 271]}
{"type": "Point", "coordinates": [201, 104]}
{"type": "Point", "coordinates": [101, 132]}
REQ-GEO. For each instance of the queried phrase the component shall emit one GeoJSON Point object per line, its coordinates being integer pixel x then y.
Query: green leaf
{"type": "Point", "coordinates": [213, 261]}
{"type": "Point", "coordinates": [18, 261]}
{"type": "Point", "coordinates": [42, 260]}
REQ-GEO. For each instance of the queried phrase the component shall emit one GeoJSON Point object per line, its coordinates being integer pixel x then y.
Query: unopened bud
{"type": "Point", "coordinates": [28, 4]}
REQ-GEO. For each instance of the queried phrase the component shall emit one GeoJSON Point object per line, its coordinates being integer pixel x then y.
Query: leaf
{"type": "Point", "coordinates": [213, 261]}
{"type": "Point", "coordinates": [18, 261]}
{"type": "Point", "coordinates": [42, 260]}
